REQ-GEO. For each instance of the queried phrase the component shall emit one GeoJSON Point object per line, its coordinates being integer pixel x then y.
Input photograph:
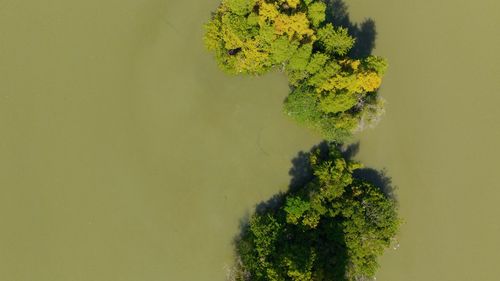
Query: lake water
{"type": "Point", "coordinates": [439, 139]}
{"type": "Point", "coordinates": [126, 154]}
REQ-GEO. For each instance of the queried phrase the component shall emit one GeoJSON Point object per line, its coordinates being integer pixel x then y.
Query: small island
{"type": "Point", "coordinates": [333, 227]}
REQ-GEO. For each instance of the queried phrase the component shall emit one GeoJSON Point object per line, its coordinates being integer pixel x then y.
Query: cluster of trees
{"type": "Point", "coordinates": [334, 227]}
{"type": "Point", "coordinates": [332, 93]}
{"type": "Point", "coordinates": [331, 229]}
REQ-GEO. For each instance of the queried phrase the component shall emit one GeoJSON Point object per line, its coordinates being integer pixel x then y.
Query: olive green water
{"type": "Point", "coordinates": [127, 155]}
{"type": "Point", "coordinates": [439, 139]}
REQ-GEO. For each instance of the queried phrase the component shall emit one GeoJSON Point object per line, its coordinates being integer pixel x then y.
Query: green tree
{"type": "Point", "coordinates": [332, 228]}
{"type": "Point", "coordinates": [335, 41]}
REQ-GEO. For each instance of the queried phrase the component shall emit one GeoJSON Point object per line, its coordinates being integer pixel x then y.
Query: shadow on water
{"type": "Point", "coordinates": [301, 172]}
{"type": "Point", "coordinates": [365, 33]}
{"type": "Point", "coordinates": [378, 178]}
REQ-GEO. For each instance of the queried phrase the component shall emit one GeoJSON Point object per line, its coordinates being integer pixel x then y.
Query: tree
{"type": "Point", "coordinates": [255, 36]}
{"type": "Point", "coordinates": [332, 228]}
{"type": "Point", "coordinates": [334, 41]}
{"type": "Point", "coordinates": [316, 13]}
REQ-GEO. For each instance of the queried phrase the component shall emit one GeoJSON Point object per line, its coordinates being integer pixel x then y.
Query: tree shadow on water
{"type": "Point", "coordinates": [365, 33]}
{"type": "Point", "coordinates": [379, 178]}
{"type": "Point", "coordinates": [301, 172]}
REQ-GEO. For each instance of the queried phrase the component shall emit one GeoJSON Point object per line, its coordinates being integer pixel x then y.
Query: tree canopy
{"type": "Point", "coordinates": [332, 228]}
{"type": "Point", "coordinates": [332, 93]}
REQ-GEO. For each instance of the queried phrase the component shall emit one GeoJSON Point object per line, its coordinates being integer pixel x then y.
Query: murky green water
{"type": "Point", "coordinates": [439, 139]}
{"type": "Point", "coordinates": [127, 155]}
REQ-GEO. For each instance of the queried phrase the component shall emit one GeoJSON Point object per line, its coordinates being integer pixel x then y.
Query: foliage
{"type": "Point", "coordinates": [334, 41]}
{"type": "Point", "coordinates": [333, 228]}
{"type": "Point", "coordinates": [316, 13]}
{"type": "Point", "coordinates": [240, 7]}
{"type": "Point", "coordinates": [255, 36]}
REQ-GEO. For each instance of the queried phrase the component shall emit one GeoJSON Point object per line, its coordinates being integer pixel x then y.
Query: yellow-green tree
{"type": "Point", "coordinates": [255, 36]}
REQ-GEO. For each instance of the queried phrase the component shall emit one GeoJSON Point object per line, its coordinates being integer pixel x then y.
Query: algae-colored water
{"type": "Point", "coordinates": [126, 154]}
{"type": "Point", "coordinates": [440, 137]}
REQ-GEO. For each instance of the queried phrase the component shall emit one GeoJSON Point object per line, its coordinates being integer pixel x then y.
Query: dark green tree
{"type": "Point", "coordinates": [333, 228]}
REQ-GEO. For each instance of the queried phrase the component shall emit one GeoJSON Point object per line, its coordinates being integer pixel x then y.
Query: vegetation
{"type": "Point", "coordinates": [332, 93]}
{"type": "Point", "coordinates": [332, 228]}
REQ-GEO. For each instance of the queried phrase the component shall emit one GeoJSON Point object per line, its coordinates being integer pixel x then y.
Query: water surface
{"type": "Point", "coordinates": [127, 155]}
{"type": "Point", "coordinates": [439, 139]}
